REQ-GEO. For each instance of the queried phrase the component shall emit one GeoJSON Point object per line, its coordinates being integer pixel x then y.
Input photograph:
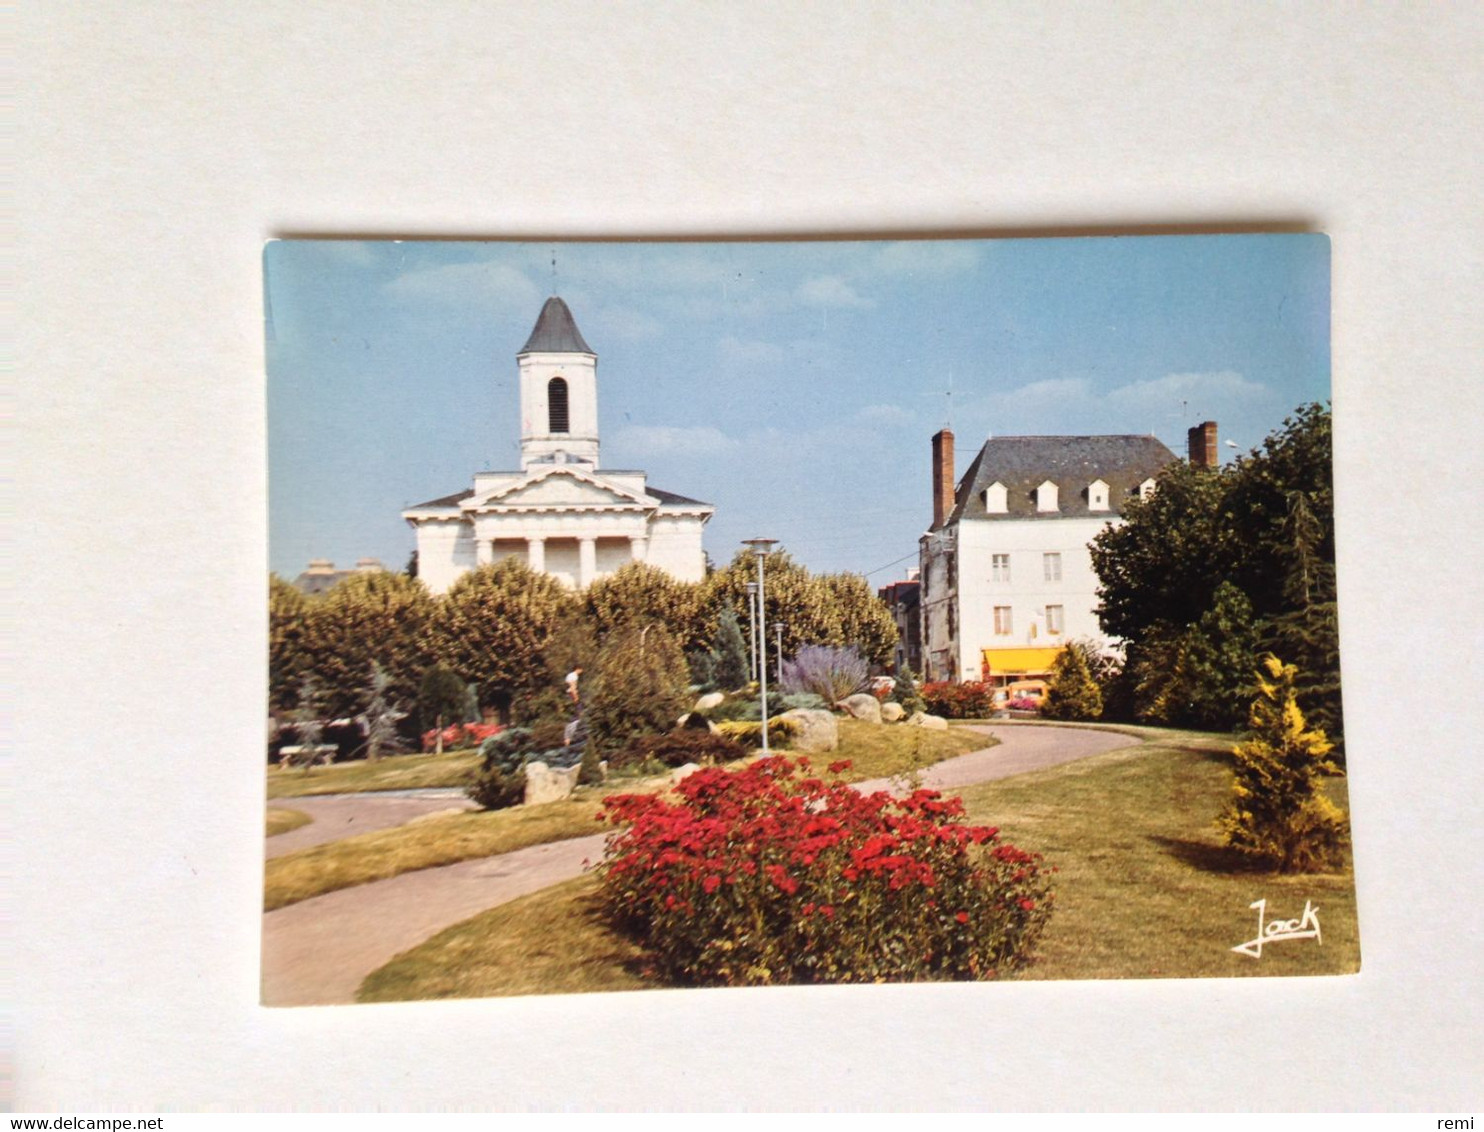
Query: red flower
{"type": "Point", "coordinates": [962, 917]}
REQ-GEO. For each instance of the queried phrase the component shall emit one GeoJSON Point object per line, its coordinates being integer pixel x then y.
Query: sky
{"type": "Point", "coordinates": [795, 386]}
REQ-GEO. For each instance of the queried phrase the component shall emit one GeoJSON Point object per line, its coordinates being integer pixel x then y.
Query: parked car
{"type": "Point", "coordinates": [1026, 695]}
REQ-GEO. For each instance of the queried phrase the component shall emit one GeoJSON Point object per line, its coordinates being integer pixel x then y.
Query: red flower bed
{"type": "Point", "coordinates": [765, 875]}
{"type": "Point", "coordinates": [460, 735]}
{"type": "Point", "coordinates": [969, 700]}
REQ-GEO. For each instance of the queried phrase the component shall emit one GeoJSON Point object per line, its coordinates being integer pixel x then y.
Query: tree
{"type": "Point", "coordinates": [729, 653]}
{"type": "Point", "coordinates": [906, 692]}
{"type": "Point", "coordinates": [492, 628]}
{"type": "Point", "coordinates": [372, 618]}
{"type": "Point", "coordinates": [309, 726]}
{"type": "Point", "coordinates": [1220, 564]}
{"type": "Point", "coordinates": [835, 609]}
{"type": "Point", "coordinates": [638, 594]}
{"type": "Point", "coordinates": [288, 642]}
{"type": "Point", "coordinates": [1278, 815]}
{"type": "Point", "coordinates": [440, 698]}
{"type": "Point", "coordinates": [1073, 693]}
{"type": "Point", "coordinates": [380, 716]}
{"type": "Point", "coordinates": [642, 687]}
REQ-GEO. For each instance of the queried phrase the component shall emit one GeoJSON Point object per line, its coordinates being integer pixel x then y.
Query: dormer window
{"type": "Point", "coordinates": [1046, 497]}
{"type": "Point", "coordinates": [1097, 496]}
{"type": "Point", "coordinates": [1146, 489]}
{"type": "Point", "coordinates": [558, 416]}
{"type": "Point", "coordinates": [995, 501]}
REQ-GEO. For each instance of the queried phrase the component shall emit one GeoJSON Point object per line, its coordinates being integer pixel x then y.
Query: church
{"type": "Point", "coordinates": [560, 513]}
{"type": "Point", "coordinates": [1006, 574]}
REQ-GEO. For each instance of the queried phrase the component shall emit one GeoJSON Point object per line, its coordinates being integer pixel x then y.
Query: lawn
{"type": "Point", "coordinates": [281, 821]}
{"type": "Point", "coordinates": [874, 750]}
{"type": "Point", "coordinates": [397, 772]}
{"type": "Point", "coordinates": [1144, 889]}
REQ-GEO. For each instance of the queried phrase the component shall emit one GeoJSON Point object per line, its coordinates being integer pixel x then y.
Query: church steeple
{"type": "Point", "coordinates": [558, 392]}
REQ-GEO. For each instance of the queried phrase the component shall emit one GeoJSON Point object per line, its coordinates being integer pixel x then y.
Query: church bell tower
{"type": "Point", "coordinates": [558, 392]}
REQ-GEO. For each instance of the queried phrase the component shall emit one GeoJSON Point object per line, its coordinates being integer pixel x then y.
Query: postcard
{"type": "Point", "coordinates": [657, 615]}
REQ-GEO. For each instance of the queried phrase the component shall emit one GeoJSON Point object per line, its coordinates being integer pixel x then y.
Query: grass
{"type": "Point", "coordinates": [397, 772]}
{"type": "Point", "coordinates": [281, 821]}
{"type": "Point", "coordinates": [1145, 889]}
{"type": "Point", "coordinates": [875, 751]}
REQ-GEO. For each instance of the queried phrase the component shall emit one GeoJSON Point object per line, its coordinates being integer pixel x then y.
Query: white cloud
{"type": "Point", "coordinates": [667, 440]}
{"type": "Point", "coordinates": [830, 291]}
{"type": "Point", "coordinates": [929, 258]}
{"type": "Point", "coordinates": [745, 351]}
{"type": "Point", "coordinates": [1052, 389]}
{"type": "Point", "coordinates": [1202, 391]}
{"type": "Point", "coordinates": [493, 283]}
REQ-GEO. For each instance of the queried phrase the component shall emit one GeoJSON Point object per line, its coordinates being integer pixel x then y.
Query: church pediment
{"type": "Point", "coordinates": [560, 488]}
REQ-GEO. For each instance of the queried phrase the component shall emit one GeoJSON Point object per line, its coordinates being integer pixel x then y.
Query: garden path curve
{"type": "Point", "coordinates": [318, 951]}
{"type": "Point", "coordinates": [345, 815]}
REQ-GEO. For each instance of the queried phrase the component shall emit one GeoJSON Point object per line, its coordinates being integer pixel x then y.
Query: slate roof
{"type": "Point", "coordinates": [443, 501]}
{"type": "Point", "coordinates": [671, 497]}
{"type": "Point", "coordinates": [556, 332]}
{"type": "Point", "coordinates": [1023, 463]}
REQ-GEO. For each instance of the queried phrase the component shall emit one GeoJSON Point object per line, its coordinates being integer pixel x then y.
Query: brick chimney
{"type": "Point", "coordinates": [942, 476]}
{"type": "Point", "coordinates": [1202, 439]}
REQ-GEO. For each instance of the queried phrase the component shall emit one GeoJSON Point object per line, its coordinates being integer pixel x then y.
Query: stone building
{"type": "Point", "coordinates": [1005, 571]}
{"type": "Point", "coordinates": [561, 513]}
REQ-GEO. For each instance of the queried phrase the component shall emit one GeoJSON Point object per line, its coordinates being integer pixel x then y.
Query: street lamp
{"type": "Point", "coordinates": [760, 547]}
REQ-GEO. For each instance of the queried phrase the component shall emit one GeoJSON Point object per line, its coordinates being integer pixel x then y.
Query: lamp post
{"type": "Point", "coordinates": [752, 630]}
{"type": "Point", "coordinates": [760, 547]}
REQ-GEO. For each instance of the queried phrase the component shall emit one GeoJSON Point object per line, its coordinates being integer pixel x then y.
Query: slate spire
{"type": "Point", "coordinates": [556, 332]}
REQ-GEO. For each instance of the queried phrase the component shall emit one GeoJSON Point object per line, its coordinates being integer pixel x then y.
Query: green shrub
{"type": "Point", "coordinates": [676, 748]}
{"type": "Point", "coordinates": [802, 701]}
{"type": "Point", "coordinates": [1278, 816]}
{"type": "Point", "coordinates": [500, 780]}
{"type": "Point", "coordinates": [747, 707]}
{"type": "Point", "coordinates": [1072, 693]}
{"type": "Point", "coordinates": [749, 733]}
{"type": "Point", "coordinates": [642, 688]}
{"type": "Point", "coordinates": [906, 692]}
{"type": "Point", "coordinates": [766, 875]}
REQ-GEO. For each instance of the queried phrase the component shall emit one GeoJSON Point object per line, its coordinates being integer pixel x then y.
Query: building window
{"type": "Point", "coordinates": [996, 500]}
{"type": "Point", "coordinates": [1097, 496]}
{"type": "Point", "coordinates": [1046, 497]}
{"type": "Point", "coordinates": [556, 405]}
{"type": "Point", "coordinates": [1051, 566]}
{"type": "Point", "coordinates": [1146, 489]}
{"type": "Point", "coordinates": [999, 568]}
{"type": "Point", "coordinates": [1055, 621]}
{"type": "Point", "coordinates": [1002, 623]}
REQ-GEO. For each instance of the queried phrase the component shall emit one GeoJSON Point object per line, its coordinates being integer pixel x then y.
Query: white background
{"type": "Point", "coordinates": [162, 143]}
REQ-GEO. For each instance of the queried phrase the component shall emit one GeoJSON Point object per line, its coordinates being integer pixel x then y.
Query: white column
{"type": "Point", "coordinates": [638, 547]}
{"type": "Point", "coordinates": [587, 561]}
{"type": "Point", "coordinates": [536, 554]}
{"type": "Point", "coordinates": [484, 551]}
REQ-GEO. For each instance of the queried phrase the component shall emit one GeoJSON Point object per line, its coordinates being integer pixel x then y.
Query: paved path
{"type": "Point", "coordinates": [318, 951]}
{"type": "Point", "coordinates": [344, 815]}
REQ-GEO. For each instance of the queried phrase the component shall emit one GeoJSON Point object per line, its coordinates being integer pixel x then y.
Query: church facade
{"type": "Point", "coordinates": [561, 513]}
{"type": "Point", "coordinates": [1005, 571]}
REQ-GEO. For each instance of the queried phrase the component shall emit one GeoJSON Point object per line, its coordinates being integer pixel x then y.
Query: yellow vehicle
{"type": "Point", "coordinates": [1021, 690]}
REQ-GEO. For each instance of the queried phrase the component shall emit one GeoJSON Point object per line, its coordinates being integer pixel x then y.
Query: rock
{"type": "Point", "coordinates": [709, 701]}
{"type": "Point", "coordinates": [681, 771]}
{"type": "Point", "coordinates": [543, 784]}
{"type": "Point", "coordinates": [892, 712]}
{"type": "Point", "coordinates": [695, 721]}
{"type": "Point", "coordinates": [931, 722]}
{"type": "Point", "coordinates": [817, 730]}
{"type": "Point", "coordinates": [862, 706]}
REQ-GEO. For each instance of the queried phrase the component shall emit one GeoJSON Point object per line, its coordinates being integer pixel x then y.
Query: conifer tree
{"type": "Point", "coordinates": [729, 652]}
{"type": "Point", "coordinates": [906, 691]}
{"type": "Point", "coordinates": [1279, 816]}
{"type": "Point", "coordinates": [1073, 693]}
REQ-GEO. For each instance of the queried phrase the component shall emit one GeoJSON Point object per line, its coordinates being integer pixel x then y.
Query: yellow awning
{"type": "Point", "coordinates": [1015, 662]}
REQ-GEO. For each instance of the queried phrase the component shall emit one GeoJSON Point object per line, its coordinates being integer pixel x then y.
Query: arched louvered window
{"type": "Point", "coordinates": [556, 405]}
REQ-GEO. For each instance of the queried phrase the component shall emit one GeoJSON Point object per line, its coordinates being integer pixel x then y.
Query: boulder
{"type": "Point", "coordinates": [817, 730]}
{"type": "Point", "coordinates": [681, 771]}
{"type": "Point", "coordinates": [709, 701]}
{"type": "Point", "coordinates": [545, 784]}
{"type": "Point", "coordinates": [695, 721]}
{"type": "Point", "coordinates": [862, 706]}
{"type": "Point", "coordinates": [892, 712]}
{"type": "Point", "coordinates": [931, 722]}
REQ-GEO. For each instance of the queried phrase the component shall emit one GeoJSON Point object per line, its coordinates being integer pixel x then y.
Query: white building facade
{"type": "Point", "coordinates": [560, 513]}
{"type": "Point", "coordinates": [1007, 576]}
